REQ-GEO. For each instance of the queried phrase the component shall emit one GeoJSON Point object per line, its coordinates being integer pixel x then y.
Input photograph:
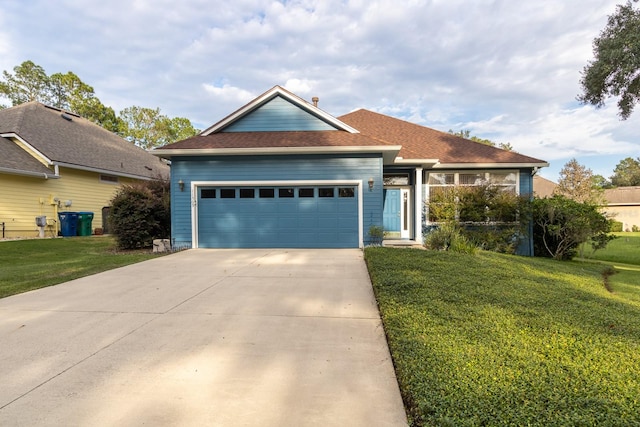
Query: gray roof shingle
{"type": "Point", "coordinates": [67, 138]}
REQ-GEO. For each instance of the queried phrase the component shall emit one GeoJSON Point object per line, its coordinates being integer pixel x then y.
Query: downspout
{"type": "Point", "coordinates": [418, 206]}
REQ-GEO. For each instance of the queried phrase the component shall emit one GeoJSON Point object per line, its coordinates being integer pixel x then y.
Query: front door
{"type": "Point", "coordinates": [396, 214]}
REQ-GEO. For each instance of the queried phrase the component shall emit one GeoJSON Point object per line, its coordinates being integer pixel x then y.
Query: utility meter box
{"type": "Point", "coordinates": [41, 221]}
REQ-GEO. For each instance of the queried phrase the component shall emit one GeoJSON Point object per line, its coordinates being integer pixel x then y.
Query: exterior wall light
{"type": "Point", "coordinates": [370, 184]}
{"type": "Point", "coordinates": [181, 185]}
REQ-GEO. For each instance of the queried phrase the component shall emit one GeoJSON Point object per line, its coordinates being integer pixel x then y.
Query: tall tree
{"type": "Point", "coordinates": [615, 71]}
{"type": "Point", "coordinates": [577, 183]}
{"type": "Point", "coordinates": [627, 173]}
{"type": "Point", "coordinates": [29, 82]}
{"type": "Point", "coordinates": [148, 128]}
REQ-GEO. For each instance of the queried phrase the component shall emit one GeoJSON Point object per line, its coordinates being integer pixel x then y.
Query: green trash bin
{"type": "Point", "coordinates": [84, 223]}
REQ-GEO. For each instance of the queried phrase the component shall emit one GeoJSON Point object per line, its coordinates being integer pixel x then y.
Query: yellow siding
{"type": "Point", "coordinates": [24, 198]}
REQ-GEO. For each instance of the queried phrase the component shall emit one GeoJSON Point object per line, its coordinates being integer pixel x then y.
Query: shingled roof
{"type": "Point", "coordinates": [400, 142]}
{"type": "Point", "coordinates": [420, 142]}
{"type": "Point", "coordinates": [622, 196]}
{"type": "Point", "coordinates": [69, 140]}
{"type": "Point", "coordinates": [14, 159]}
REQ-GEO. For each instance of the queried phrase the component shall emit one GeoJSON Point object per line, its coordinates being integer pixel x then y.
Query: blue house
{"type": "Point", "coordinates": [280, 172]}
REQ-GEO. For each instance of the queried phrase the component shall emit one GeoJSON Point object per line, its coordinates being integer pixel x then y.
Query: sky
{"type": "Point", "coordinates": [505, 70]}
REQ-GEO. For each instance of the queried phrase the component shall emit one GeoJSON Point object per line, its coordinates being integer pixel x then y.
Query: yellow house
{"type": "Point", "coordinates": [53, 161]}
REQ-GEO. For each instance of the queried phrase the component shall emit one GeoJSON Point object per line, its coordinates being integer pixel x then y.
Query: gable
{"type": "Point", "coordinates": [278, 114]}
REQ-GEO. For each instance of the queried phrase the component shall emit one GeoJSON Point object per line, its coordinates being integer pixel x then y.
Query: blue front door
{"type": "Point", "coordinates": [391, 210]}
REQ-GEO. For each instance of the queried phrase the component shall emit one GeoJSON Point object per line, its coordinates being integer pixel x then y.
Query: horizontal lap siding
{"type": "Point", "coordinates": [278, 115]}
{"type": "Point", "coordinates": [272, 168]}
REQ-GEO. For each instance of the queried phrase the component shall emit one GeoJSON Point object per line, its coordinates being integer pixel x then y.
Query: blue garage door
{"type": "Point", "coordinates": [278, 217]}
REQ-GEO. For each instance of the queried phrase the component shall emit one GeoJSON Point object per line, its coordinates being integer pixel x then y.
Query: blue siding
{"type": "Point", "coordinates": [278, 115]}
{"type": "Point", "coordinates": [273, 168]}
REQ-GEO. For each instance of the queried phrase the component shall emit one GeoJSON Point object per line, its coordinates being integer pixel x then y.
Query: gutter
{"type": "Point", "coordinates": [42, 175]}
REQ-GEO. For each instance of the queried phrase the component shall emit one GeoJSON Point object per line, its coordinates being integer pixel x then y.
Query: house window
{"type": "Point", "coordinates": [444, 191]}
{"type": "Point", "coordinates": [396, 179]}
{"type": "Point", "coordinates": [110, 179]}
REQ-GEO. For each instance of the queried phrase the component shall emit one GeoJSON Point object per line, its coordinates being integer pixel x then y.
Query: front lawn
{"type": "Point", "coordinates": [625, 249]}
{"type": "Point", "coordinates": [31, 264]}
{"type": "Point", "coordinates": [492, 339]}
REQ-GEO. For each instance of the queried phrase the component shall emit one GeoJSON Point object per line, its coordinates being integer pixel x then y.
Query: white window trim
{"type": "Point", "coordinates": [196, 184]}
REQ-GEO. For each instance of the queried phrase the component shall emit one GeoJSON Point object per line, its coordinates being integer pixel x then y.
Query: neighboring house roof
{"type": "Point", "coordinates": [400, 142]}
{"type": "Point", "coordinates": [543, 187]}
{"type": "Point", "coordinates": [622, 196]}
{"type": "Point", "coordinates": [62, 138]}
{"type": "Point", "coordinates": [15, 160]}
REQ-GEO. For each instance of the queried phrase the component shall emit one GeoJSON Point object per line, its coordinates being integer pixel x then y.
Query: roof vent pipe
{"type": "Point", "coordinates": [315, 100]}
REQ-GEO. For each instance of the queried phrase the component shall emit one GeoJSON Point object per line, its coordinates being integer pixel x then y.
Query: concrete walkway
{"type": "Point", "coordinates": [202, 338]}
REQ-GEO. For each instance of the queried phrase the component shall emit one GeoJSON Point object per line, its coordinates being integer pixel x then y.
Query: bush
{"type": "Point", "coordinates": [560, 225]}
{"type": "Point", "coordinates": [140, 213]}
{"type": "Point", "coordinates": [615, 226]}
{"type": "Point", "coordinates": [448, 237]}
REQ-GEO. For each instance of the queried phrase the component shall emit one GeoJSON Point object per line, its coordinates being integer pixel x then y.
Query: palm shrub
{"type": "Point", "coordinates": [141, 213]}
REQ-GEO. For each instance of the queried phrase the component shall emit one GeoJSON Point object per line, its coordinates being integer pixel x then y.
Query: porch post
{"type": "Point", "coordinates": [418, 205]}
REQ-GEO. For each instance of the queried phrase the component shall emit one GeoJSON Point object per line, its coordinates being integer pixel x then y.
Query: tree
{"type": "Point", "coordinates": [577, 183]}
{"type": "Point", "coordinates": [627, 173]}
{"type": "Point", "coordinates": [148, 128]}
{"type": "Point", "coordinates": [615, 71]}
{"type": "Point", "coordinates": [561, 225]}
{"type": "Point", "coordinates": [28, 83]}
{"type": "Point", "coordinates": [600, 181]}
{"type": "Point", "coordinates": [466, 134]}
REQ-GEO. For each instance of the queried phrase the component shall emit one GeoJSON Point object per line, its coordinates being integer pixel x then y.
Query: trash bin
{"type": "Point", "coordinates": [68, 223]}
{"type": "Point", "coordinates": [84, 223]}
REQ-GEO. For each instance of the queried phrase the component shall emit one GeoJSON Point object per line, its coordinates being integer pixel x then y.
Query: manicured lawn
{"type": "Point", "coordinates": [31, 264]}
{"type": "Point", "coordinates": [625, 249]}
{"type": "Point", "coordinates": [492, 339]}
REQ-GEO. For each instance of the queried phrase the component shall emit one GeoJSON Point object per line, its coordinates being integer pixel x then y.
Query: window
{"type": "Point", "coordinates": [267, 193]}
{"type": "Point", "coordinates": [447, 191]}
{"type": "Point", "coordinates": [247, 193]}
{"type": "Point", "coordinates": [285, 192]}
{"type": "Point", "coordinates": [227, 193]}
{"type": "Point", "coordinates": [398, 179]}
{"type": "Point", "coordinates": [325, 192]}
{"type": "Point", "coordinates": [208, 193]}
{"type": "Point", "coordinates": [305, 192]}
{"type": "Point", "coordinates": [346, 192]}
{"type": "Point", "coordinates": [109, 179]}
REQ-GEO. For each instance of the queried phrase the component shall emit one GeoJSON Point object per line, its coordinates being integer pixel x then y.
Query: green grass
{"type": "Point", "coordinates": [624, 249]}
{"type": "Point", "coordinates": [31, 264]}
{"type": "Point", "coordinates": [493, 339]}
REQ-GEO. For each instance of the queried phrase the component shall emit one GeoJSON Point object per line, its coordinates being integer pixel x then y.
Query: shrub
{"type": "Point", "coordinates": [615, 226]}
{"type": "Point", "coordinates": [449, 237]}
{"type": "Point", "coordinates": [561, 224]}
{"type": "Point", "coordinates": [140, 213]}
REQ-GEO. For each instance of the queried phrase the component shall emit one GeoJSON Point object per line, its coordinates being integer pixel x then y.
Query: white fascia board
{"type": "Point", "coordinates": [33, 151]}
{"type": "Point", "coordinates": [389, 152]}
{"type": "Point", "coordinates": [427, 163]}
{"type": "Point", "coordinates": [103, 171]}
{"type": "Point", "coordinates": [489, 165]}
{"type": "Point", "coordinates": [275, 91]}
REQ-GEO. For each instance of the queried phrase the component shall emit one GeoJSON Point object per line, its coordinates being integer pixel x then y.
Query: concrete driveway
{"type": "Point", "coordinates": [259, 337]}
